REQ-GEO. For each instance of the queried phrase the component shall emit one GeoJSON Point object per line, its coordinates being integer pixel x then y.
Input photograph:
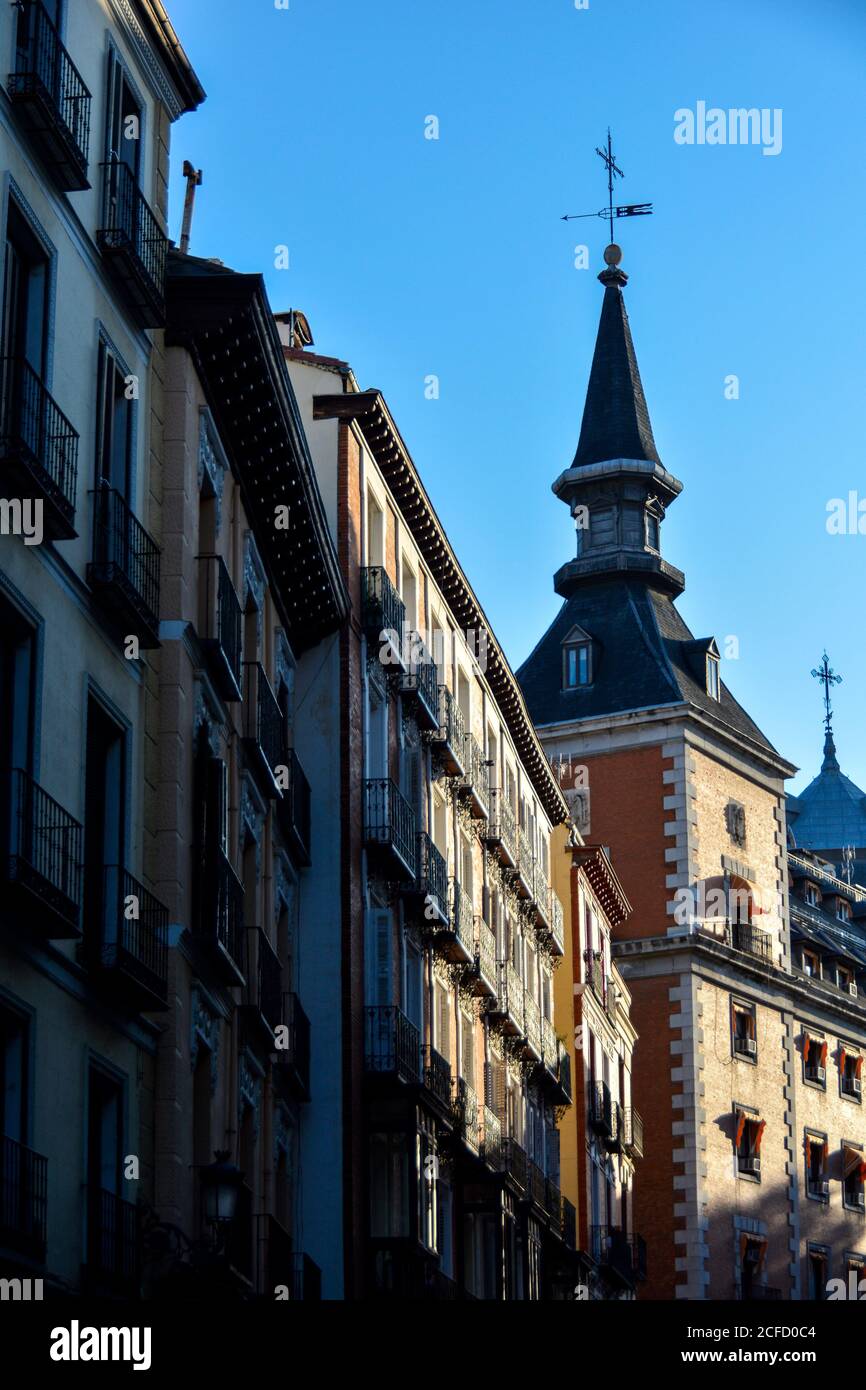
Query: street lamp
{"type": "Point", "coordinates": [220, 1184]}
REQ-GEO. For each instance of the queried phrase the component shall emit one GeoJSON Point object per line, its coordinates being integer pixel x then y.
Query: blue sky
{"type": "Point", "coordinates": [414, 257]}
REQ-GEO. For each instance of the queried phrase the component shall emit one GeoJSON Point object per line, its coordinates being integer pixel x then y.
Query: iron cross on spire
{"type": "Point", "coordinates": [828, 678]}
{"type": "Point", "coordinates": [610, 212]}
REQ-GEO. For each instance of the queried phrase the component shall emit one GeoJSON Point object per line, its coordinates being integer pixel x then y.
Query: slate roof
{"type": "Point", "coordinates": [643, 655]}
{"type": "Point", "coordinates": [831, 812]}
{"type": "Point", "coordinates": [616, 421]}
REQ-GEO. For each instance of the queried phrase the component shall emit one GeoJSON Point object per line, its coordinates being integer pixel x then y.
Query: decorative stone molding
{"type": "Point", "coordinates": [204, 1031]}
{"type": "Point", "coordinates": [147, 58]}
{"type": "Point", "coordinates": [212, 462]}
{"type": "Point", "coordinates": [206, 717]}
{"type": "Point", "coordinates": [249, 1090]}
{"type": "Point", "coordinates": [255, 580]}
{"type": "Point", "coordinates": [252, 818]}
{"type": "Point", "coordinates": [285, 667]}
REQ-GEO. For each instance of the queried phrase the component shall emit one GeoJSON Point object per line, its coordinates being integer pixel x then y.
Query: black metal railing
{"type": "Point", "coordinates": [135, 929]}
{"type": "Point", "coordinates": [510, 993]}
{"type": "Point", "coordinates": [432, 874]}
{"type": "Point", "coordinates": [124, 554]}
{"type": "Point", "coordinates": [492, 1139]}
{"type": "Point", "coordinates": [295, 810]}
{"type": "Point", "coordinates": [23, 1199]}
{"type": "Point", "coordinates": [466, 1113]}
{"type": "Point", "coordinates": [514, 1162]}
{"type": "Point", "coordinates": [565, 1073]}
{"type": "Point", "coordinates": [45, 849]}
{"type": "Point", "coordinates": [133, 236]}
{"type": "Point", "coordinates": [452, 728]}
{"type": "Point", "coordinates": [221, 622]}
{"type": "Point", "coordinates": [263, 718]}
{"type": "Point", "coordinates": [389, 820]}
{"type": "Point", "coordinates": [264, 978]}
{"type": "Point", "coordinates": [502, 825]}
{"type": "Point", "coordinates": [437, 1076]}
{"type": "Point", "coordinates": [35, 432]}
{"type": "Point", "coordinates": [602, 1111]}
{"type": "Point", "coordinates": [462, 917]}
{"type": "Point", "coordinates": [525, 861]}
{"type": "Point", "coordinates": [569, 1224]}
{"type": "Point", "coordinates": [421, 678]}
{"type": "Point", "coordinates": [476, 778]}
{"type": "Point", "coordinates": [532, 1024]}
{"type": "Point", "coordinates": [752, 940]}
{"type": "Point", "coordinates": [553, 1205]}
{"type": "Point", "coordinates": [48, 85]}
{"type": "Point", "coordinates": [383, 610]}
{"type": "Point", "coordinates": [556, 921]}
{"type": "Point", "coordinates": [485, 954]}
{"type": "Point", "coordinates": [293, 1047]}
{"type": "Point", "coordinates": [613, 1249]}
{"type": "Point", "coordinates": [222, 921]}
{"type": "Point", "coordinates": [549, 1046]}
{"type": "Point", "coordinates": [537, 1187]}
{"type": "Point", "coordinates": [112, 1239]}
{"type": "Point", "coordinates": [633, 1131]}
{"type": "Point", "coordinates": [392, 1043]}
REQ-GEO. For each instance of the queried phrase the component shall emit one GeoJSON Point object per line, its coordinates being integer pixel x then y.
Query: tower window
{"type": "Point", "coordinates": [713, 686]}
{"type": "Point", "coordinates": [652, 531]}
{"type": "Point", "coordinates": [577, 664]}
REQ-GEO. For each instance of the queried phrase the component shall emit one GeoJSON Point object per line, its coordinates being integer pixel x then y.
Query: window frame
{"type": "Point", "coordinates": [578, 648]}
{"type": "Point", "coordinates": [713, 677]}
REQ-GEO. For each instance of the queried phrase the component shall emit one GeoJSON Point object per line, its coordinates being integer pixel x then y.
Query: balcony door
{"type": "Point", "coordinates": [114, 421]}
{"type": "Point", "coordinates": [17, 707]}
{"type": "Point", "coordinates": [25, 294]}
{"type": "Point", "coordinates": [123, 133]}
{"type": "Point", "coordinates": [104, 821]}
{"type": "Point", "coordinates": [13, 1076]}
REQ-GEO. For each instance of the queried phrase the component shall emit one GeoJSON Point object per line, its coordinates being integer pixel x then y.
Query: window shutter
{"type": "Point", "coordinates": [378, 953]}
{"type": "Point", "coordinates": [414, 1010]}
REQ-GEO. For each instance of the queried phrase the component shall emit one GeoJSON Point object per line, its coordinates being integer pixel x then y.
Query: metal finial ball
{"type": "Point", "coordinates": [612, 254]}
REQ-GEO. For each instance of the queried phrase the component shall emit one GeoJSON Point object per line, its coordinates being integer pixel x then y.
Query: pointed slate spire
{"type": "Point", "coordinates": [616, 421]}
{"type": "Point", "coordinates": [831, 762]}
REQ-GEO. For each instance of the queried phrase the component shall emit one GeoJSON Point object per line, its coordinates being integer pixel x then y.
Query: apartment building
{"type": "Point", "coordinates": [602, 1133]}
{"type": "Point", "coordinates": [247, 1098]}
{"type": "Point", "coordinates": [453, 1070]}
{"type": "Point", "coordinates": [88, 96]}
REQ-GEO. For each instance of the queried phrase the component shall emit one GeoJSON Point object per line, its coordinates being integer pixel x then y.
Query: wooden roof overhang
{"type": "Point", "coordinates": [370, 411]}
{"type": "Point", "coordinates": [225, 322]}
{"type": "Point", "coordinates": [602, 876]}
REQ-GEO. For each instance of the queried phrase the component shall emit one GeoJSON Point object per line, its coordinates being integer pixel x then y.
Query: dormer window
{"type": "Point", "coordinates": [576, 660]}
{"type": "Point", "coordinates": [713, 683]}
{"type": "Point", "coordinates": [652, 531]}
{"type": "Point", "coordinates": [812, 895]}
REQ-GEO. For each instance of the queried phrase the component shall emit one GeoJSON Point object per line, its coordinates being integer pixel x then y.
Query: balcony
{"type": "Point", "coordinates": [133, 243]}
{"type": "Point", "coordinates": [392, 1044]}
{"type": "Point", "coordinates": [541, 897]}
{"type": "Point", "coordinates": [419, 684]}
{"type": "Point", "coordinates": [525, 880]}
{"type": "Point", "coordinates": [569, 1224]}
{"type": "Point", "coordinates": [294, 812]}
{"type": "Point", "coordinates": [553, 1206]}
{"type": "Point", "coordinates": [42, 860]}
{"type": "Point", "coordinates": [433, 882]}
{"type": "Point", "coordinates": [221, 919]}
{"type": "Point", "coordinates": [549, 1048]}
{"type": "Point", "coordinates": [501, 829]}
{"type": "Point", "coordinates": [448, 743]}
{"type": "Point", "coordinates": [400, 1269]}
{"type": "Point", "coordinates": [383, 614]}
{"type": "Point", "coordinates": [614, 1252]}
{"type": "Point", "coordinates": [457, 938]}
{"type": "Point", "coordinates": [602, 1112]}
{"type": "Point", "coordinates": [753, 941]}
{"type": "Point", "coordinates": [475, 783]}
{"type": "Point", "coordinates": [38, 449]}
{"type": "Point", "coordinates": [514, 1164]}
{"type": "Point", "coordinates": [564, 1094]}
{"type": "Point", "coordinates": [437, 1077]}
{"type": "Point", "coordinates": [632, 1140]}
{"type": "Point", "coordinates": [23, 1200]}
{"type": "Point", "coordinates": [555, 933]}
{"type": "Point", "coordinates": [264, 743]}
{"type": "Point", "coordinates": [220, 625]}
{"type": "Point", "coordinates": [292, 1050]}
{"type": "Point", "coordinates": [124, 572]}
{"type": "Point", "coordinates": [536, 1189]}
{"type": "Point", "coordinates": [389, 829]}
{"type": "Point", "coordinates": [531, 1029]}
{"type": "Point", "coordinates": [492, 1140]}
{"type": "Point", "coordinates": [485, 975]}
{"type": "Point", "coordinates": [594, 974]}
{"type": "Point", "coordinates": [50, 98]}
{"type": "Point", "coordinates": [466, 1114]}
{"type": "Point", "coordinates": [132, 954]}
{"type": "Point", "coordinates": [508, 1005]}
{"type": "Point", "coordinates": [112, 1265]}
{"type": "Point", "coordinates": [262, 1006]}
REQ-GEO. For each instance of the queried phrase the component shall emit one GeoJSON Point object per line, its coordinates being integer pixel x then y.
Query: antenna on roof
{"type": "Point", "coordinates": [193, 181]}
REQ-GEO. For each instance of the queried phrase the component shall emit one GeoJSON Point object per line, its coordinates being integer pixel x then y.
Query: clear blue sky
{"type": "Point", "coordinates": [414, 257]}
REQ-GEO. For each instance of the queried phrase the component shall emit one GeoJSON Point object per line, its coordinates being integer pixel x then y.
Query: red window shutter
{"type": "Point", "coordinates": [823, 1061]}
{"type": "Point", "coordinates": [759, 1135]}
{"type": "Point", "coordinates": [741, 1125]}
{"type": "Point", "coordinates": [842, 1055]}
{"type": "Point", "coordinates": [858, 1068]}
{"type": "Point", "coordinates": [806, 1043]}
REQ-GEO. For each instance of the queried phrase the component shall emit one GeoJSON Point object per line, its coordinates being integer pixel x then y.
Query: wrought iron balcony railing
{"type": "Point", "coordinates": [433, 881]}
{"type": "Point", "coordinates": [532, 1026]}
{"type": "Point", "coordinates": [514, 1163]}
{"type": "Point", "coordinates": [541, 896]}
{"type": "Point", "coordinates": [133, 242]}
{"type": "Point", "coordinates": [221, 917]}
{"type": "Point", "coordinates": [49, 94]}
{"type": "Point", "coordinates": [486, 974]}
{"type": "Point", "coordinates": [549, 1047]}
{"type": "Point", "coordinates": [133, 949]}
{"type": "Point", "coordinates": [437, 1076]}
{"type": "Point", "coordinates": [466, 1115]}
{"type": "Point", "coordinates": [23, 1199]}
{"type": "Point", "coordinates": [264, 733]}
{"type": "Point", "coordinates": [38, 448]}
{"type": "Point", "coordinates": [112, 1243]}
{"type": "Point", "coordinates": [553, 1206]}
{"type": "Point", "coordinates": [492, 1140]}
{"type": "Point", "coordinates": [449, 741]}
{"type": "Point", "coordinates": [556, 925]}
{"type": "Point", "coordinates": [294, 812]}
{"type": "Point", "coordinates": [509, 1001]}
{"type": "Point", "coordinates": [537, 1188]}
{"type": "Point", "coordinates": [476, 779]}
{"type": "Point", "coordinates": [220, 625]}
{"type": "Point", "coordinates": [383, 615]}
{"type": "Point", "coordinates": [565, 1075]}
{"type": "Point", "coordinates": [752, 940]}
{"type": "Point", "coordinates": [632, 1132]}
{"type": "Point", "coordinates": [392, 1043]}
{"type": "Point", "coordinates": [389, 827]}
{"type": "Point", "coordinates": [263, 992]}
{"type": "Point", "coordinates": [525, 864]}
{"type": "Point", "coordinates": [615, 1251]}
{"type": "Point", "coordinates": [462, 938]}
{"type": "Point", "coordinates": [595, 974]}
{"type": "Point", "coordinates": [42, 858]}
{"type": "Point", "coordinates": [501, 829]}
{"type": "Point", "coordinates": [124, 571]}
{"type": "Point", "coordinates": [602, 1113]}
{"type": "Point", "coordinates": [420, 680]}
{"type": "Point", "coordinates": [292, 1049]}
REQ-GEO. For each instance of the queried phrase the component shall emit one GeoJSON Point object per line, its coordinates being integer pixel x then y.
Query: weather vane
{"type": "Point", "coordinates": [610, 212]}
{"type": "Point", "coordinates": [828, 678]}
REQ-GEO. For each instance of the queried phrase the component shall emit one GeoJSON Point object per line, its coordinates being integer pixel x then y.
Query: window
{"type": "Point", "coordinates": [375, 532]}
{"type": "Point", "coordinates": [713, 684]}
{"type": "Point", "coordinates": [409, 594]}
{"type": "Point", "coordinates": [812, 894]}
{"type": "Point", "coordinates": [817, 1186]}
{"type": "Point", "coordinates": [602, 530]}
{"type": "Point", "coordinates": [427, 1175]}
{"type": "Point", "coordinates": [379, 985]}
{"type": "Point", "coordinates": [753, 1252]}
{"type": "Point", "coordinates": [749, 1134]}
{"type": "Point", "coordinates": [577, 665]}
{"type": "Point", "coordinates": [467, 1049]}
{"type": "Point", "coordinates": [123, 125]}
{"type": "Point", "coordinates": [843, 911]}
{"type": "Point", "coordinates": [25, 294]}
{"type": "Point", "coordinates": [414, 985]}
{"type": "Point", "coordinates": [17, 689]}
{"type": "Point", "coordinates": [14, 1061]}
{"type": "Point", "coordinates": [815, 1061]}
{"type": "Point", "coordinates": [811, 964]}
{"type": "Point", "coordinates": [853, 1174]}
{"type": "Point", "coordinates": [114, 424]}
{"type": "Point", "coordinates": [652, 531]}
{"type": "Point", "coordinates": [389, 1185]}
{"type": "Point", "coordinates": [850, 1074]}
{"type": "Point", "coordinates": [845, 980]}
{"type": "Point", "coordinates": [104, 819]}
{"type": "Point", "coordinates": [818, 1259]}
{"type": "Point", "coordinates": [480, 1263]}
{"type": "Point", "coordinates": [442, 1021]}
{"type": "Point", "coordinates": [105, 1215]}
{"type": "Point", "coordinates": [744, 1031]}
